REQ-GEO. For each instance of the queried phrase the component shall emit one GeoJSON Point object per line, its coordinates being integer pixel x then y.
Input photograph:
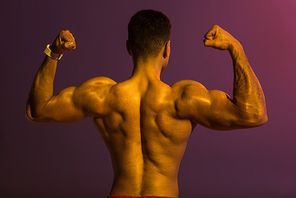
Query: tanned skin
{"type": "Point", "coordinates": [144, 122]}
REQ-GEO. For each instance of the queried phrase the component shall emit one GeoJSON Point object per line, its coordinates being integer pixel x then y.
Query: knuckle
{"type": "Point", "coordinates": [65, 32]}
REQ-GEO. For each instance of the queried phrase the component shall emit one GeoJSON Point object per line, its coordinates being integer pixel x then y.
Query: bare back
{"type": "Point", "coordinates": [145, 123]}
{"type": "Point", "coordinates": [145, 138]}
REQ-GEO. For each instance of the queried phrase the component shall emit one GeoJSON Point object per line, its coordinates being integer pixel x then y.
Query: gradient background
{"type": "Point", "coordinates": [52, 160]}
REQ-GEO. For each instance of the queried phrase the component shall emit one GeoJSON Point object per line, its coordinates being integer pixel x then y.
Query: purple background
{"type": "Point", "coordinates": [52, 160]}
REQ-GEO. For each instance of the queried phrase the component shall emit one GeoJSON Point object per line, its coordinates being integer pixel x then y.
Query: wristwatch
{"type": "Point", "coordinates": [51, 54]}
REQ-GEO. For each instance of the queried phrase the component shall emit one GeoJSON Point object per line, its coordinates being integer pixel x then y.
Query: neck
{"type": "Point", "coordinates": [149, 69]}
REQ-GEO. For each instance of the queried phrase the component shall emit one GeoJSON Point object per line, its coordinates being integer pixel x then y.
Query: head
{"type": "Point", "coordinates": [148, 32]}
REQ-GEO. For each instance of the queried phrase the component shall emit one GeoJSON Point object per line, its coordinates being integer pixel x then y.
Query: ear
{"type": "Point", "coordinates": [128, 47]}
{"type": "Point", "coordinates": [167, 49]}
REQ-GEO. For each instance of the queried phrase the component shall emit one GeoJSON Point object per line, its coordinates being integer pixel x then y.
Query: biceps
{"type": "Point", "coordinates": [219, 114]}
{"type": "Point", "coordinates": [211, 109]}
{"type": "Point", "coordinates": [223, 114]}
{"type": "Point", "coordinates": [62, 108]}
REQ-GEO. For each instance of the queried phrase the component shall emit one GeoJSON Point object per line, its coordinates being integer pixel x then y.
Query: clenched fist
{"type": "Point", "coordinates": [218, 38]}
{"type": "Point", "coordinates": [64, 42]}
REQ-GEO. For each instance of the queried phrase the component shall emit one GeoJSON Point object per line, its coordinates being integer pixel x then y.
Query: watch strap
{"type": "Point", "coordinates": [51, 54]}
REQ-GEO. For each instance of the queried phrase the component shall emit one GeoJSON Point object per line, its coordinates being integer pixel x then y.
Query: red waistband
{"type": "Point", "coordinates": [125, 196]}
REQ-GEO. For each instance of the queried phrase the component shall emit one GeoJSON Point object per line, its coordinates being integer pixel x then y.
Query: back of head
{"type": "Point", "coordinates": [148, 31]}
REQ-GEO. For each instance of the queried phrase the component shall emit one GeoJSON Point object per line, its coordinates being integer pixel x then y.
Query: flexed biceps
{"type": "Point", "coordinates": [144, 122]}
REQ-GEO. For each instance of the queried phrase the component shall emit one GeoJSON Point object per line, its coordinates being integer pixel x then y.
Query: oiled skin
{"type": "Point", "coordinates": [145, 138]}
{"type": "Point", "coordinates": [144, 122]}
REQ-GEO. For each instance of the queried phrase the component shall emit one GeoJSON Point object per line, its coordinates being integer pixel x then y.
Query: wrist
{"type": "Point", "coordinates": [235, 48]}
{"type": "Point", "coordinates": [51, 54]}
{"type": "Point", "coordinates": [234, 44]}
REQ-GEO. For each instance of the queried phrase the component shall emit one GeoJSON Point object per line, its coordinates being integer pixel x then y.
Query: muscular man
{"type": "Point", "coordinates": [144, 122]}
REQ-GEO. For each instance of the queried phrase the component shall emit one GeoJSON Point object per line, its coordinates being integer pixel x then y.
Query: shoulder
{"type": "Point", "coordinates": [98, 81]}
{"type": "Point", "coordinates": [187, 86]}
{"type": "Point", "coordinates": [190, 97]}
{"type": "Point", "coordinates": [184, 83]}
{"type": "Point", "coordinates": [98, 84]}
{"type": "Point", "coordinates": [92, 93]}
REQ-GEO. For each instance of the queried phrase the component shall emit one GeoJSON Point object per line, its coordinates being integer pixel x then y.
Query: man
{"type": "Point", "coordinates": [144, 122]}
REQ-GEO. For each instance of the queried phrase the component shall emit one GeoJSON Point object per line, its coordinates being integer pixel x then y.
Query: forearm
{"type": "Point", "coordinates": [247, 91]}
{"type": "Point", "coordinates": [42, 88]}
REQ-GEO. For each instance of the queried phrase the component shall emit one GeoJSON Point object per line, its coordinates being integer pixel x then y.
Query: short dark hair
{"type": "Point", "coordinates": [148, 31]}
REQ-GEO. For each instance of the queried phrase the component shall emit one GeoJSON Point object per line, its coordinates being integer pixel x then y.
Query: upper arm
{"type": "Point", "coordinates": [73, 103]}
{"type": "Point", "coordinates": [213, 109]}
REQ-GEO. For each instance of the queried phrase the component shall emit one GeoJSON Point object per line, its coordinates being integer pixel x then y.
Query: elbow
{"type": "Point", "coordinates": [31, 115]}
{"type": "Point", "coordinates": [30, 118]}
{"type": "Point", "coordinates": [264, 118]}
{"type": "Point", "coordinates": [261, 116]}
{"type": "Point", "coordinates": [255, 119]}
{"type": "Point", "coordinates": [28, 114]}
{"type": "Point", "coordinates": [254, 116]}
{"type": "Point", "coordinates": [28, 111]}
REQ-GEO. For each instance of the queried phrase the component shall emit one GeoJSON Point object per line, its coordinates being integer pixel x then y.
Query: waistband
{"type": "Point", "coordinates": [126, 196]}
